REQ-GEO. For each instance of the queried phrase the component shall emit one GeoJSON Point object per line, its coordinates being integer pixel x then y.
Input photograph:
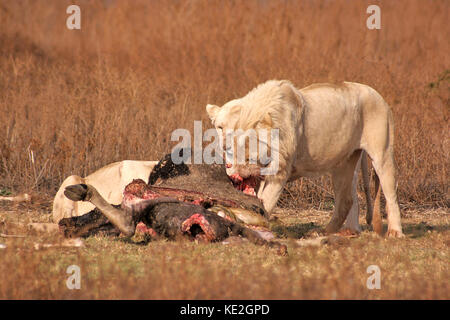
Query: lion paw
{"type": "Point", "coordinates": [348, 232]}
{"type": "Point", "coordinates": [394, 234]}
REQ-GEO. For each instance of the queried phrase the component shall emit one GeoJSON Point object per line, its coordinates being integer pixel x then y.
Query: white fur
{"type": "Point", "coordinates": [323, 129]}
{"type": "Point", "coordinates": [110, 181]}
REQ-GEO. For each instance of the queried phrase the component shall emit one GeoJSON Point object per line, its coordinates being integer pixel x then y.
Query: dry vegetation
{"type": "Point", "coordinates": [73, 101]}
{"type": "Point", "coordinates": [113, 268]}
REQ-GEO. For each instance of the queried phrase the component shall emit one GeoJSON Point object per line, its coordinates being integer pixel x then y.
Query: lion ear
{"type": "Point", "coordinates": [235, 109]}
{"type": "Point", "coordinates": [212, 111]}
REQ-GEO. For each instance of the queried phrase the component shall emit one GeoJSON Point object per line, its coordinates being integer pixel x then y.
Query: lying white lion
{"type": "Point", "coordinates": [323, 128]}
{"type": "Point", "coordinates": [110, 181]}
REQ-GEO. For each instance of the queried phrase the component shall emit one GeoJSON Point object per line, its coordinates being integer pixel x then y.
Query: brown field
{"type": "Point", "coordinates": [72, 101]}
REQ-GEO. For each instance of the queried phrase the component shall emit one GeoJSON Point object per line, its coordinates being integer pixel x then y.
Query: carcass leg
{"type": "Point", "coordinates": [122, 219]}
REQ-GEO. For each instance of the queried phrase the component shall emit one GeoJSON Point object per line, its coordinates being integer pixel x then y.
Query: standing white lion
{"type": "Point", "coordinates": [323, 128]}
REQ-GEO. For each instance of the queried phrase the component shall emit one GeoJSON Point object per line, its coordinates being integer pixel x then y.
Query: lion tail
{"type": "Point", "coordinates": [373, 214]}
{"type": "Point", "coordinates": [366, 184]}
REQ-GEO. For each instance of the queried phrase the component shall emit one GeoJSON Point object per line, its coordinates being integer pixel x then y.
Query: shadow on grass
{"type": "Point", "coordinates": [140, 241]}
{"type": "Point", "coordinates": [418, 230]}
{"type": "Point", "coordinates": [300, 230]}
{"type": "Point", "coordinates": [296, 231]}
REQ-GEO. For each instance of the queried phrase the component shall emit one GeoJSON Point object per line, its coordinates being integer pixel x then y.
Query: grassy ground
{"type": "Point", "coordinates": [117, 268]}
{"type": "Point", "coordinates": [72, 101]}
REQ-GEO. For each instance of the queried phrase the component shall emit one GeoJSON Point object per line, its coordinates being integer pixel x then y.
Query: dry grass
{"type": "Point", "coordinates": [412, 268]}
{"type": "Point", "coordinates": [136, 71]}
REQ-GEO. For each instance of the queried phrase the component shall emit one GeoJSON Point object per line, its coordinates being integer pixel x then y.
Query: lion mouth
{"type": "Point", "coordinates": [248, 185]}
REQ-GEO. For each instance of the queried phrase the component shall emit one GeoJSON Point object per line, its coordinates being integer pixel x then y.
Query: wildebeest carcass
{"type": "Point", "coordinates": [194, 201]}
